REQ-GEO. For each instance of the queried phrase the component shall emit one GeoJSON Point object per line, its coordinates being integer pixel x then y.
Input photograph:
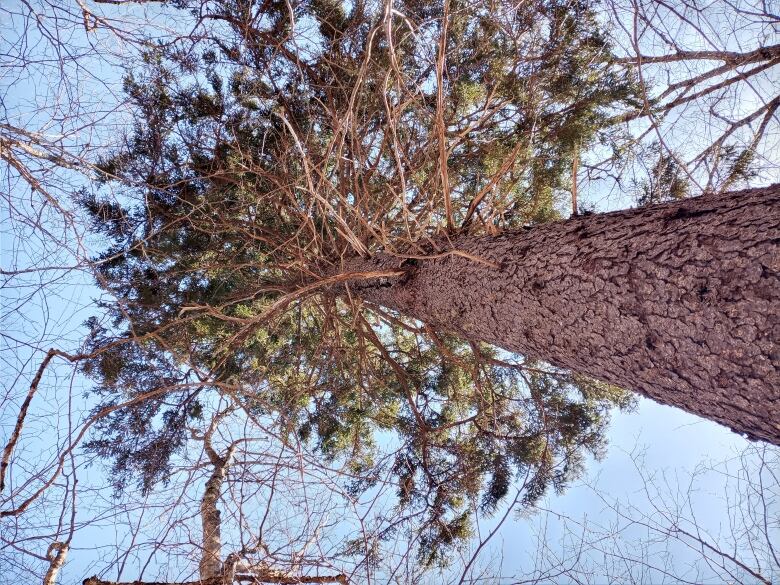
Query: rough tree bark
{"type": "Point", "coordinates": [678, 301]}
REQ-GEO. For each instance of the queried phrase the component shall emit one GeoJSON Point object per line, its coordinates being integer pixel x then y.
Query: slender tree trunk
{"type": "Point", "coordinates": [210, 560]}
{"type": "Point", "coordinates": [211, 523]}
{"type": "Point", "coordinates": [679, 302]}
{"type": "Point", "coordinates": [56, 555]}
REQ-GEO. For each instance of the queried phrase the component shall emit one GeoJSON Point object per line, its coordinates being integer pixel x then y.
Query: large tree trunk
{"type": "Point", "coordinates": [679, 302]}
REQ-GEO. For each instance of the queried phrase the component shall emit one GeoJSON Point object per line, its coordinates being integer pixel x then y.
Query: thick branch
{"type": "Point", "coordinates": [16, 433]}
{"type": "Point", "coordinates": [731, 57]}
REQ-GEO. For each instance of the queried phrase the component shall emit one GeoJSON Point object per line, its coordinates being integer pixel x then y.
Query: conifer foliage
{"type": "Point", "coordinates": [291, 136]}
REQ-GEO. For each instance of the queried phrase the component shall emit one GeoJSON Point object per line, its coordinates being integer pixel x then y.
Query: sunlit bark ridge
{"type": "Point", "coordinates": [678, 302]}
